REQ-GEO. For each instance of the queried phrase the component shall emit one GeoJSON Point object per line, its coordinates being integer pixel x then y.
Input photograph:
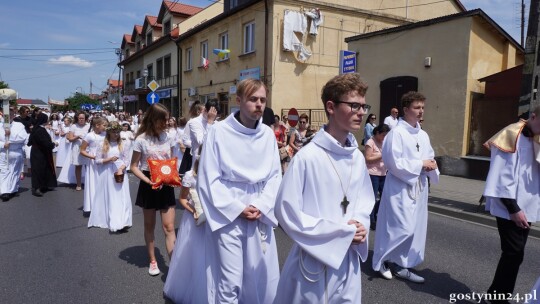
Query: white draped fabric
{"type": "Point", "coordinates": [323, 265]}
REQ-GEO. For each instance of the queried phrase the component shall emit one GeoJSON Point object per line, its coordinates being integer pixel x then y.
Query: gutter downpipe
{"type": "Point", "coordinates": [266, 45]}
{"type": "Point", "coordinates": [179, 84]}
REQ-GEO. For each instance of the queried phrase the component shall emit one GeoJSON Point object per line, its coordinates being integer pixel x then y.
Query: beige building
{"type": "Point", "coordinates": [150, 54]}
{"type": "Point", "coordinates": [444, 58]}
{"type": "Point", "coordinates": [257, 36]}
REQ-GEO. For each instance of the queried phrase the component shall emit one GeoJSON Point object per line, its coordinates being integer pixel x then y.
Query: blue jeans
{"type": "Point", "coordinates": [378, 185]}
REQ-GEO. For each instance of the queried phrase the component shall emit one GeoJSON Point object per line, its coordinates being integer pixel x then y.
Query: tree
{"type": "Point", "coordinates": [3, 85]}
{"type": "Point", "coordinates": [76, 101]}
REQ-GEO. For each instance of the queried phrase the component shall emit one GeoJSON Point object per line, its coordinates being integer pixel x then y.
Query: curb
{"type": "Point", "coordinates": [467, 215]}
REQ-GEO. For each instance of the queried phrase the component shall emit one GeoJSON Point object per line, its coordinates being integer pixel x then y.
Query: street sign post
{"type": "Point", "coordinates": [152, 98]}
{"type": "Point", "coordinates": [293, 117]}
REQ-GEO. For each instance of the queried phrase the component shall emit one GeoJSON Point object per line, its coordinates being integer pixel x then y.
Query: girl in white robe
{"type": "Point", "coordinates": [127, 139]}
{"type": "Point", "coordinates": [63, 144]}
{"type": "Point", "coordinates": [12, 155]}
{"type": "Point", "coordinates": [113, 208]}
{"type": "Point", "coordinates": [400, 236]}
{"type": "Point", "coordinates": [186, 279]}
{"type": "Point", "coordinates": [88, 149]}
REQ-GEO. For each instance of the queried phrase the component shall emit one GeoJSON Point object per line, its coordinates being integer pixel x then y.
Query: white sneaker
{"type": "Point", "coordinates": [153, 269]}
{"type": "Point", "coordinates": [406, 274]}
{"type": "Point", "coordinates": [385, 271]}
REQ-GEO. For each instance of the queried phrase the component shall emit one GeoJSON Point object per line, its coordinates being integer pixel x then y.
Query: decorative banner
{"type": "Point", "coordinates": [57, 102]}
{"type": "Point", "coordinates": [164, 93]}
{"type": "Point", "coordinates": [221, 52]}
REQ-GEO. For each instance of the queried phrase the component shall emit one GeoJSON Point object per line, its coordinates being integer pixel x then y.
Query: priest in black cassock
{"type": "Point", "coordinates": [41, 157]}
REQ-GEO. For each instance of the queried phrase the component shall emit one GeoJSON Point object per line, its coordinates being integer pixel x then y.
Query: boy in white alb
{"type": "Point", "coordinates": [239, 175]}
{"type": "Point", "coordinates": [324, 204]}
{"type": "Point", "coordinates": [400, 237]}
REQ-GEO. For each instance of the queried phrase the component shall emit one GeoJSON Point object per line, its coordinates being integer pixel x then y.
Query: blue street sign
{"type": "Point", "coordinates": [152, 98]}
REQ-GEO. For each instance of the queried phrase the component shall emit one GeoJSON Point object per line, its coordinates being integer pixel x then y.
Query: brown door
{"type": "Point", "coordinates": [391, 91]}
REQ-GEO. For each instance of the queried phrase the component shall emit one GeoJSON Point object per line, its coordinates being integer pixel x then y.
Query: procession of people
{"type": "Point", "coordinates": [241, 179]}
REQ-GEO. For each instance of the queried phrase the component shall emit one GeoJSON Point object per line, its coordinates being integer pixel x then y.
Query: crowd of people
{"type": "Point", "coordinates": [241, 178]}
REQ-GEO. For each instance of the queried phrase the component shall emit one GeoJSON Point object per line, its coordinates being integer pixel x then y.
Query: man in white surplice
{"type": "Point", "coordinates": [512, 191]}
{"type": "Point", "coordinates": [324, 204]}
{"type": "Point", "coordinates": [400, 236]}
{"type": "Point", "coordinates": [239, 176]}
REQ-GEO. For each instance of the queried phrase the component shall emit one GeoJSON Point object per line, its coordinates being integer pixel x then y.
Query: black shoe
{"type": "Point", "coordinates": [5, 197]}
{"type": "Point", "coordinates": [37, 192]}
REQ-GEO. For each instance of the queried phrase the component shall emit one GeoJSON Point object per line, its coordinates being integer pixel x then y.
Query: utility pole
{"type": "Point", "coordinates": [119, 53]}
{"type": "Point", "coordinates": [522, 23]}
{"type": "Point", "coordinates": [531, 68]}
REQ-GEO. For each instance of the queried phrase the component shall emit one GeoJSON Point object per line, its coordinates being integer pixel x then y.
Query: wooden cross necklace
{"type": "Point", "coordinates": [344, 203]}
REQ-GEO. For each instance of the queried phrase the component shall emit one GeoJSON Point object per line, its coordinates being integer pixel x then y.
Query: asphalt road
{"type": "Point", "coordinates": [48, 255]}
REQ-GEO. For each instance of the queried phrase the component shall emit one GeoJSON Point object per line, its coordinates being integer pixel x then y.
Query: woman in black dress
{"type": "Point", "coordinates": [41, 157]}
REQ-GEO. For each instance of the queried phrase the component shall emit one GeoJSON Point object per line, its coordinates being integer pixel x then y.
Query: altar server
{"type": "Point", "coordinates": [400, 236]}
{"type": "Point", "coordinates": [511, 193]}
{"type": "Point", "coordinates": [324, 204]}
{"type": "Point", "coordinates": [239, 176]}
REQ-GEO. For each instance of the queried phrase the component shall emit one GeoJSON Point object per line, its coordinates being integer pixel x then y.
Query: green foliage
{"type": "Point", "coordinates": [4, 85]}
{"type": "Point", "coordinates": [76, 101]}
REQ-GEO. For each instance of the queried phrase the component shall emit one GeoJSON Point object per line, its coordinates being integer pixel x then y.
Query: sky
{"type": "Point", "coordinates": [57, 48]}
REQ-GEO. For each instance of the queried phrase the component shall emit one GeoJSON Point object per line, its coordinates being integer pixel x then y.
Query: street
{"type": "Point", "coordinates": [48, 255]}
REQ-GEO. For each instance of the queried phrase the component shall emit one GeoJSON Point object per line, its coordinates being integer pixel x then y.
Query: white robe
{"type": "Point", "coordinates": [309, 210]}
{"type": "Point", "coordinates": [12, 159]}
{"type": "Point", "coordinates": [515, 176]}
{"type": "Point", "coordinates": [63, 147]}
{"type": "Point", "coordinates": [240, 167]}
{"type": "Point", "coordinates": [186, 279]}
{"type": "Point", "coordinates": [400, 236]}
{"type": "Point", "coordinates": [112, 201]}
{"type": "Point", "coordinates": [92, 177]}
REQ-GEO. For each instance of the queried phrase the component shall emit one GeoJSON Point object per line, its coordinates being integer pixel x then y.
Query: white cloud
{"type": "Point", "coordinates": [71, 60]}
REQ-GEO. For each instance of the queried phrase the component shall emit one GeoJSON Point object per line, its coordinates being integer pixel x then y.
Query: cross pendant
{"type": "Point", "coordinates": [344, 204]}
{"type": "Point", "coordinates": [417, 147]}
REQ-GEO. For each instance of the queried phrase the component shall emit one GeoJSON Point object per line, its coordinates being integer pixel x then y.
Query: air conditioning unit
{"type": "Point", "coordinates": [192, 91]}
{"type": "Point", "coordinates": [139, 83]}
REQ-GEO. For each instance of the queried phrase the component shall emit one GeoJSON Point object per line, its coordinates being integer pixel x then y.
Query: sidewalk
{"type": "Point", "coordinates": [458, 197]}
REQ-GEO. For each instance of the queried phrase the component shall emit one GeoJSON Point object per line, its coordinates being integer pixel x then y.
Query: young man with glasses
{"type": "Point", "coordinates": [328, 226]}
{"type": "Point", "coordinates": [400, 236]}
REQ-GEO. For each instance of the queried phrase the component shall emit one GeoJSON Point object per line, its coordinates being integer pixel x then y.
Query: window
{"type": "Point", "coordinates": [249, 37]}
{"type": "Point", "coordinates": [224, 44]}
{"type": "Point", "coordinates": [138, 45]}
{"type": "Point", "coordinates": [233, 4]}
{"type": "Point", "coordinates": [150, 69]}
{"type": "Point", "coordinates": [149, 38]}
{"type": "Point", "coordinates": [189, 62]}
{"type": "Point", "coordinates": [204, 51]}
{"type": "Point", "coordinates": [159, 68]}
{"type": "Point", "coordinates": [166, 27]}
{"type": "Point", "coordinates": [167, 66]}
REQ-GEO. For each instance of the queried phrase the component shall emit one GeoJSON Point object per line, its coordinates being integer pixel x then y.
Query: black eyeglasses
{"type": "Point", "coordinates": [356, 106]}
